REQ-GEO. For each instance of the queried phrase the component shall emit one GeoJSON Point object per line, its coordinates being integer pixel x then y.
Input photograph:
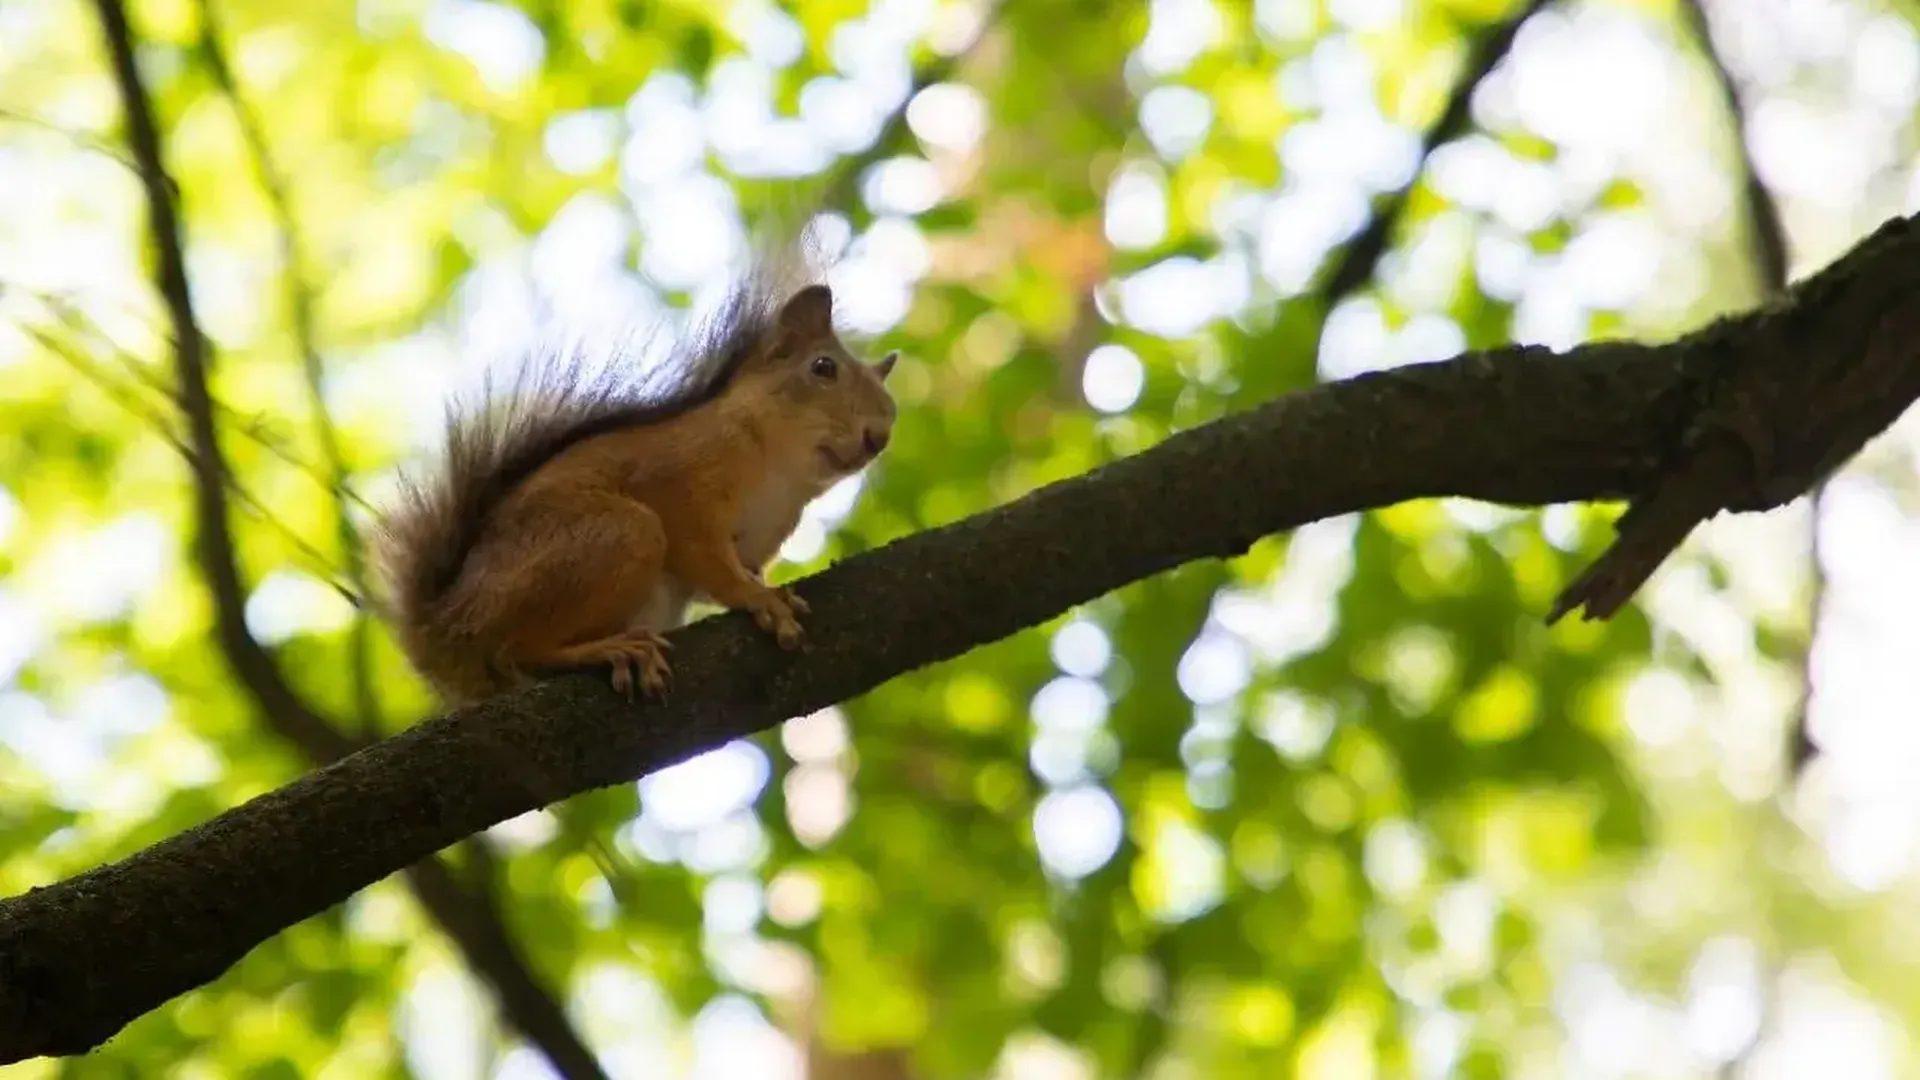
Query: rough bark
{"type": "Point", "coordinates": [1743, 414]}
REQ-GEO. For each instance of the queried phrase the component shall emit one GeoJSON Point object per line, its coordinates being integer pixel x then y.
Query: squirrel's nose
{"type": "Point", "coordinates": [876, 440]}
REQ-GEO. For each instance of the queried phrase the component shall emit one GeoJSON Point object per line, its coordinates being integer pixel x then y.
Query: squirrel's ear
{"type": "Point", "coordinates": [885, 366]}
{"type": "Point", "coordinates": [809, 312]}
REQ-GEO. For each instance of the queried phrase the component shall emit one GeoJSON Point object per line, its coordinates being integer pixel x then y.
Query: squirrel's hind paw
{"type": "Point", "coordinates": [639, 654]}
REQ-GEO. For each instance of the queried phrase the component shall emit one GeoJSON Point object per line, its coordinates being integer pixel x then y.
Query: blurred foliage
{"type": "Point", "coordinates": [1373, 815]}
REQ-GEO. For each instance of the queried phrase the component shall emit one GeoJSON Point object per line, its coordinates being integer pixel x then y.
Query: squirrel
{"type": "Point", "coordinates": [571, 524]}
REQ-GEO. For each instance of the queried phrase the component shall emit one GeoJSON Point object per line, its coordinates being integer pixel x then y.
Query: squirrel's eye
{"type": "Point", "coordinates": [824, 367]}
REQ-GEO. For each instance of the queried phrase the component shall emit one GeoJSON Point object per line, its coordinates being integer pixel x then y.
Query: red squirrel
{"type": "Point", "coordinates": [571, 524]}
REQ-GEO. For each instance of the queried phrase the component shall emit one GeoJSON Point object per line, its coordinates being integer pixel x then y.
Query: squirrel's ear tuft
{"type": "Point", "coordinates": [808, 313]}
{"type": "Point", "coordinates": [885, 366]}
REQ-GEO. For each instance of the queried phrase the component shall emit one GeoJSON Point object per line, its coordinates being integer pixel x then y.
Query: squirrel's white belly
{"type": "Point", "coordinates": [767, 517]}
{"type": "Point", "coordinates": [666, 609]}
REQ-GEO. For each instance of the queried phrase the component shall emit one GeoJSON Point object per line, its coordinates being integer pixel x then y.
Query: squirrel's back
{"type": "Point", "coordinates": [558, 399]}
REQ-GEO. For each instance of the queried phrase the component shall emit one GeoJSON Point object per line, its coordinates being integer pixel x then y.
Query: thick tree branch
{"type": "Point", "coordinates": [469, 917]}
{"type": "Point", "coordinates": [1796, 389]}
{"type": "Point", "coordinates": [1362, 256]}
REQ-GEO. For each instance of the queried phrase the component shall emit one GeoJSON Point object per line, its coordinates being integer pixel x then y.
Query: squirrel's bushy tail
{"type": "Point", "coordinates": [423, 539]}
{"type": "Point", "coordinates": [558, 397]}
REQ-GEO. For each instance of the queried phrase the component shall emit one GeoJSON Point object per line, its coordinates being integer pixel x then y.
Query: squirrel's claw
{"type": "Point", "coordinates": [642, 652]}
{"type": "Point", "coordinates": [777, 614]}
{"type": "Point", "coordinates": [800, 607]}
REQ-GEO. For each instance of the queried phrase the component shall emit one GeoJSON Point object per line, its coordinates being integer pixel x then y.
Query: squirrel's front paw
{"type": "Point", "coordinates": [777, 611]}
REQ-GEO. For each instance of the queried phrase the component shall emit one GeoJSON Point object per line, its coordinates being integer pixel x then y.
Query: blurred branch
{"type": "Point", "coordinates": [1742, 1062]}
{"type": "Point", "coordinates": [1801, 749]}
{"type": "Point", "coordinates": [468, 913]}
{"type": "Point", "coordinates": [300, 304]}
{"type": "Point", "coordinates": [1767, 242]}
{"type": "Point", "coordinates": [469, 918]}
{"type": "Point", "coordinates": [1768, 248]}
{"type": "Point", "coordinates": [253, 428]}
{"type": "Point", "coordinates": [215, 542]}
{"type": "Point", "coordinates": [128, 394]}
{"type": "Point", "coordinates": [129, 400]}
{"type": "Point", "coordinates": [1361, 258]}
{"type": "Point", "coordinates": [843, 180]}
{"type": "Point", "coordinates": [80, 139]}
{"type": "Point", "coordinates": [1743, 414]}
{"type": "Point", "coordinates": [1766, 236]}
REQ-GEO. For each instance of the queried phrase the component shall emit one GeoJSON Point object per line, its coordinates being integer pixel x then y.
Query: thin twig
{"type": "Point", "coordinates": [526, 1004]}
{"type": "Point", "coordinates": [300, 305]}
{"type": "Point", "coordinates": [78, 138]}
{"type": "Point", "coordinates": [253, 428]}
{"type": "Point", "coordinates": [128, 399]}
{"type": "Point", "coordinates": [1801, 749]}
{"type": "Point", "coordinates": [1362, 256]}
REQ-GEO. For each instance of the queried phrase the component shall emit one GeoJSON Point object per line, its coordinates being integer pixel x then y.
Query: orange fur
{"type": "Point", "coordinates": [576, 531]}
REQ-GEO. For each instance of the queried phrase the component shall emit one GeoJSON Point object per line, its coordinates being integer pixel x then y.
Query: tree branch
{"type": "Point", "coordinates": [468, 917]}
{"type": "Point", "coordinates": [1362, 257]}
{"type": "Point", "coordinates": [1803, 385]}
